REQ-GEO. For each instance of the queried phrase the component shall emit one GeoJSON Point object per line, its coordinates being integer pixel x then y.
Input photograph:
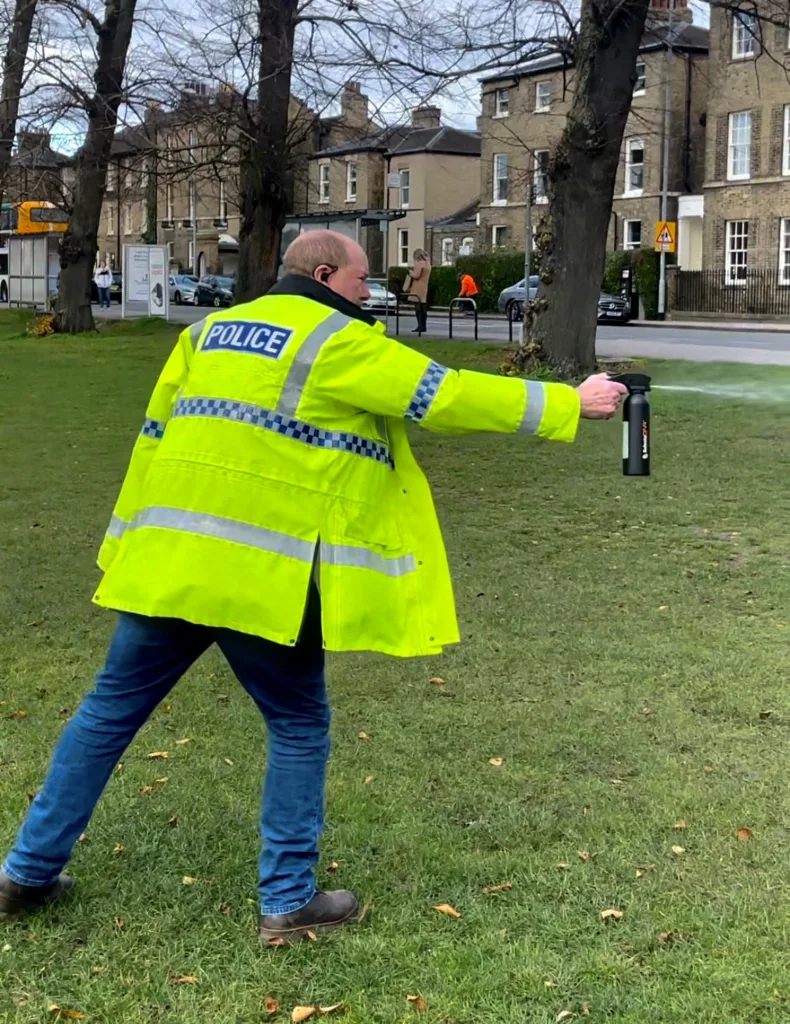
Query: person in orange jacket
{"type": "Point", "coordinates": [469, 290]}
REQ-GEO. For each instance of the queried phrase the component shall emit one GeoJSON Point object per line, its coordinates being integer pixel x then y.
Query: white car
{"type": "Point", "coordinates": [380, 298]}
{"type": "Point", "coordinates": [182, 288]}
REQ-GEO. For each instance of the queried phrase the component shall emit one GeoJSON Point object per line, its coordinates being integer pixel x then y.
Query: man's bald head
{"type": "Point", "coordinates": [331, 259]}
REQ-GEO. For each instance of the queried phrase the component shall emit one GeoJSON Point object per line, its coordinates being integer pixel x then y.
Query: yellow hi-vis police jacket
{"type": "Point", "coordinates": [275, 444]}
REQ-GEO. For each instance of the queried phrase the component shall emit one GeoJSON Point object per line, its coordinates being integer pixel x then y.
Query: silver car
{"type": "Point", "coordinates": [511, 300]}
{"type": "Point", "coordinates": [611, 308]}
{"type": "Point", "coordinates": [380, 297]}
{"type": "Point", "coordinates": [182, 289]}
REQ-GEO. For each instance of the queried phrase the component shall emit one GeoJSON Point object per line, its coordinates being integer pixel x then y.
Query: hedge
{"type": "Point", "coordinates": [493, 272]}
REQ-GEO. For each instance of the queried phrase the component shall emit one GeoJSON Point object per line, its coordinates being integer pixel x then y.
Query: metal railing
{"type": "Point", "coordinates": [459, 300]}
{"type": "Point", "coordinates": [759, 292]}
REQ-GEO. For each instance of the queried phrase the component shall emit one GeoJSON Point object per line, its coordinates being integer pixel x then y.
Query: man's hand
{"type": "Point", "coordinates": [600, 397]}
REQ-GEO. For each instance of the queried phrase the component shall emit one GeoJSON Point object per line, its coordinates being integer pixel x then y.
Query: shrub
{"type": "Point", "coordinates": [491, 271]}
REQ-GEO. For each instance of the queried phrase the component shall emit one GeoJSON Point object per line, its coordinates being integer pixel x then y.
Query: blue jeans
{"type": "Point", "coordinates": [104, 297]}
{"type": "Point", "coordinates": [146, 659]}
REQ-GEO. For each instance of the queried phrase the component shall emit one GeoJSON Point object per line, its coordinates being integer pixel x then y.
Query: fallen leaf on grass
{"type": "Point", "coordinates": [550, 984]}
{"type": "Point", "coordinates": [300, 1013]}
{"type": "Point", "coordinates": [418, 1002]}
{"type": "Point", "coordinates": [158, 755]}
{"type": "Point", "coordinates": [564, 1015]}
{"type": "Point", "coordinates": [17, 714]}
{"type": "Point", "coordinates": [189, 880]}
{"type": "Point", "coordinates": [585, 856]}
{"type": "Point", "coordinates": [119, 849]}
{"type": "Point", "coordinates": [611, 915]}
{"type": "Point", "coordinates": [643, 871]}
{"type": "Point", "coordinates": [270, 1005]}
{"type": "Point", "coordinates": [436, 681]}
{"type": "Point", "coordinates": [172, 822]}
{"type": "Point", "coordinates": [679, 826]}
{"type": "Point", "coordinates": [119, 922]}
{"type": "Point", "coordinates": [445, 908]}
{"type": "Point", "coordinates": [369, 779]}
{"type": "Point", "coordinates": [678, 850]}
{"type": "Point", "coordinates": [364, 912]}
{"type": "Point", "coordinates": [183, 979]}
{"type": "Point", "coordinates": [312, 936]}
{"type": "Point", "coordinates": [563, 866]}
{"type": "Point", "coordinates": [363, 736]}
{"type": "Point", "coordinates": [224, 908]}
{"type": "Point", "coordinates": [228, 761]}
{"type": "Point", "coordinates": [666, 937]}
{"type": "Point", "coordinates": [162, 781]}
{"type": "Point", "coordinates": [276, 941]}
{"type": "Point", "coordinates": [497, 888]}
{"type": "Point", "coordinates": [744, 833]}
{"type": "Point", "coordinates": [145, 790]}
{"type": "Point", "coordinates": [496, 762]}
{"type": "Point", "coordinates": [60, 1014]}
{"type": "Point", "coordinates": [181, 743]}
{"type": "Point", "coordinates": [331, 1009]}
{"type": "Point", "coordinates": [83, 838]}
{"type": "Point", "coordinates": [332, 868]}
{"type": "Point", "coordinates": [586, 1009]}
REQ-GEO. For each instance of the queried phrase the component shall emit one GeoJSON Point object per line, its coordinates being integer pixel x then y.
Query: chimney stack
{"type": "Point", "coordinates": [354, 106]}
{"type": "Point", "coordinates": [426, 117]}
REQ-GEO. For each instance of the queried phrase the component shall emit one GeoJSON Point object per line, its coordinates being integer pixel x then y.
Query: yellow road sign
{"type": "Point", "coordinates": [666, 235]}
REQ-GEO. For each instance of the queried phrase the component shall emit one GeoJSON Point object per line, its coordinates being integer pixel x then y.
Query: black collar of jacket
{"type": "Point", "coordinates": [308, 288]}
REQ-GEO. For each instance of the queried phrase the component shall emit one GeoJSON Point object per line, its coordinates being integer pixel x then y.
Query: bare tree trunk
{"type": "Point", "coordinates": [264, 194]}
{"type": "Point", "coordinates": [572, 238]}
{"type": "Point", "coordinates": [78, 247]}
{"type": "Point", "coordinates": [13, 77]}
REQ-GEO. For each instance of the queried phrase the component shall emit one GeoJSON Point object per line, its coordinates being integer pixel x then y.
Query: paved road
{"type": "Point", "coordinates": [736, 344]}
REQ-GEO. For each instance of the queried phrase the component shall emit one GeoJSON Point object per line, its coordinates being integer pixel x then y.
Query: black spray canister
{"type": "Point", "coordinates": [636, 424]}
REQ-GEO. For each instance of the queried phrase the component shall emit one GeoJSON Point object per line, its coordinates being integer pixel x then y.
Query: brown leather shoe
{"type": "Point", "coordinates": [326, 910]}
{"type": "Point", "coordinates": [20, 899]}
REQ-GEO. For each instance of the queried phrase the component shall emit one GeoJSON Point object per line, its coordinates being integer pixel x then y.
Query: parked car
{"type": "Point", "coordinates": [115, 288]}
{"type": "Point", "coordinates": [182, 288]}
{"type": "Point", "coordinates": [380, 297]}
{"type": "Point", "coordinates": [511, 302]}
{"type": "Point", "coordinates": [216, 291]}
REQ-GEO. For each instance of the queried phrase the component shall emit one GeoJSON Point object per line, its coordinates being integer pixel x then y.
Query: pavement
{"type": "Point", "coordinates": [704, 341]}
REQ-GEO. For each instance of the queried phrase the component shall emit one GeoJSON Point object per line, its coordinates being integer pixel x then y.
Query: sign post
{"type": "Point", "coordinates": [145, 287]}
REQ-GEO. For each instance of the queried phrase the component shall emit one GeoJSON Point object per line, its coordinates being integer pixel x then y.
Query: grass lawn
{"type": "Point", "coordinates": [625, 655]}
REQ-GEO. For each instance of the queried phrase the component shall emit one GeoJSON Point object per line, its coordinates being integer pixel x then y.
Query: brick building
{"type": "Point", "coordinates": [524, 113]}
{"type": "Point", "coordinates": [747, 174]}
{"type": "Point", "coordinates": [37, 171]}
{"type": "Point", "coordinates": [439, 177]}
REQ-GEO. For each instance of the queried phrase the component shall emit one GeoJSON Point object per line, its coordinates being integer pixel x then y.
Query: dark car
{"type": "Point", "coordinates": [115, 288]}
{"type": "Point", "coordinates": [213, 290]}
{"type": "Point", "coordinates": [611, 308]}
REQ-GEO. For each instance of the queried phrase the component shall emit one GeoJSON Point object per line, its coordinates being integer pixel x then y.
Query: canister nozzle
{"type": "Point", "coordinates": [637, 383]}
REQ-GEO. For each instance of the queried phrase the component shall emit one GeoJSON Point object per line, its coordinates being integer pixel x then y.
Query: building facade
{"type": "Point", "coordinates": [436, 171]}
{"type": "Point", "coordinates": [747, 173]}
{"type": "Point", "coordinates": [524, 114]}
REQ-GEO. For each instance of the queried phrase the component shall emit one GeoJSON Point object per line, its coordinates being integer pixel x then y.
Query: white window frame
{"type": "Point", "coordinates": [128, 219]}
{"type": "Point", "coordinates": [543, 106]}
{"type": "Point", "coordinates": [403, 247]}
{"type": "Point", "coordinates": [447, 252]}
{"type": "Point", "coordinates": [734, 230]}
{"type": "Point", "coordinates": [112, 177]}
{"type": "Point", "coordinates": [351, 181]}
{"type": "Point", "coordinates": [192, 201]}
{"type": "Point", "coordinates": [128, 176]}
{"type": "Point", "coordinates": [502, 103]}
{"type": "Point", "coordinates": [191, 258]}
{"type": "Point", "coordinates": [786, 142]}
{"type": "Point", "coordinates": [784, 252]}
{"type": "Point", "coordinates": [627, 242]}
{"type": "Point", "coordinates": [324, 179]}
{"type": "Point", "coordinates": [631, 145]}
{"type": "Point", "coordinates": [169, 202]}
{"type": "Point", "coordinates": [500, 192]}
{"type": "Point", "coordinates": [467, 246]}
{"type": "Point", "coordinates": [640, 89]}
{"type": "Point", "coordinates": [495, 229]}
{"type": "Point", "coordinates": [110, 220]}
{"type": "Point", "coordinates": [405, 187]}
{"type": "Point", "coordinates": [543, 197]}
{"type": "Point", "coordinates": [222, 206]}
{"type": "Point", "coordinates": [744, 36]}
{"type": "Point", "coordinates": [732, 174]}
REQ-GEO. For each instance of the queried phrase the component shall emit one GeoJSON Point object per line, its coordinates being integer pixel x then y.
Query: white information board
{"type": "Point", "coordinates": [145, 287]}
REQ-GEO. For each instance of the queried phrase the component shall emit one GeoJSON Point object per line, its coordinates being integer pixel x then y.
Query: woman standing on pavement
{"type": "Point", "coordinates": [417, 288]}
{"type": "Point", "coordinates": [103, 281]}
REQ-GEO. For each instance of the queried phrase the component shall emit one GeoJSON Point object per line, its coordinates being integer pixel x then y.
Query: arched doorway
{"type": "Point", "coordinates": [201, 264]}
